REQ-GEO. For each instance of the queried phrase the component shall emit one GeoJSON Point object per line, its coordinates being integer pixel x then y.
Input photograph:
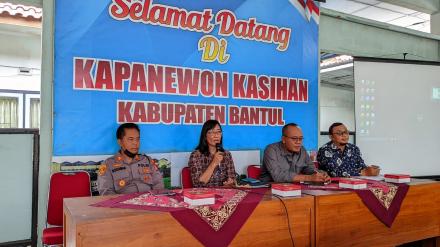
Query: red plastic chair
{"type": "Point", "coordinates": [253, 171]}
{"type": "Point", "coordinates": [62, 185]}
{"type": "Point", "coordinates": [185, 178]}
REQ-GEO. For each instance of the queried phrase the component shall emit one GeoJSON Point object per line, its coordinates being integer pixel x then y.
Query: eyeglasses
{"type": "Point", "coordinates": [295, 138]}
{"type": "Point", "coordinates": [341, 133]}
{"type": "Point", "coordinates": [215, 132]}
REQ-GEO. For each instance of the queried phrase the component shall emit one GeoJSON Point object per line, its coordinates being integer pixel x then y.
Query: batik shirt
{"type": "Point", "coordinates": [198, 163]}
{"type": "Point", "coordinates": [339, 163]}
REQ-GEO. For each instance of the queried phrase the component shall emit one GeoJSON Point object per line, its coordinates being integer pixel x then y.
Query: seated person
{"type": "Point", "coordinates": [210, 165]}
{"type": "Point", "coordinates": [127, 171]}
{"type": "Point", "coordinates": [288, 161]}
{"type": "Point", "coordinates": [342, 159]}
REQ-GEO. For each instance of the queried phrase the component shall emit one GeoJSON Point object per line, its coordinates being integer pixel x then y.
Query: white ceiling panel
{"type": "Point", "coordinates": [424, 27]}
{"type": "Point", "coordinates": [423, 16]}
{"type": "Point", "coordinates": [345, 6]}
{"type": "Point", "coordinates": [396, 8]}
{"type": "Point", "coordinates": [406, 21]}
{"type": "Point", "coordinates": [369, 2]}
{"type": "Point", "coordinates": [378, 14]}
{"type": "Point", "coordinates": [383, 12]}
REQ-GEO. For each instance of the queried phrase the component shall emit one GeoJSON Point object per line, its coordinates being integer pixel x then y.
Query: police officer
{"type": "Point", "coordinates": [127, 171]}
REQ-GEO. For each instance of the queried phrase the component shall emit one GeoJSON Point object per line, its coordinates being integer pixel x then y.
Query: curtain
{"type": "Point", "coordinates": [35, 113]}
{"type": "Point", "coordinates": [8, 112]}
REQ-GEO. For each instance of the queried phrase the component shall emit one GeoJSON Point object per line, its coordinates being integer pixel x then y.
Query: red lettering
{"type": "Point", "coordinates": [119, 9]}
{"type": "Point", "coordinates": [155, 78]}
{"type": "Point", "coordinates": [188, 84]}
{"type": "Point", "coordinates": [135, 9]}
{"type": "Point", "coordinates": [122, 73]}
{"type": "Point", "coordinates": [263, 82]}
{"type": "Point", "coordinates": [233, 115]}
{"type": "Point", "coordinates": [207, 81]}
{"type": "Point", "coordinates": [227, 22]}
{"type": "Point", "coordinates": [221, 84]}
{"type": "Point", "coordinates": [153, 111]}
{"type": "Point", "coordinates": [293, 92]}
{"type": "Point", "coordinates": [251, 92]}
{"type": "Point", "coordinates": [139, 114]}
{"type": "Point", "coordinates": [169, 80]}
{"type": "Point", "coordinates": [190, 117]}
{"type": "Point", "coordinates": [179, 112]}
{"type": "Point", "coordinates": [157, 14]}
{"type": "Point", "coordinates": [124, 112]}
{"type": "Point", "coordinates": [167, 113]}
{"type": "Point", "coordinates": [104, 75]}
{"type": "Point", "coordinates": [238, 88]}
{"type": "Point", "coordinates": [244, 115]}
{"type": "Point", "coordinates": [220, 114]}
{"type": "Point", "coordinates": [138, 81]}
{"type": "Point", "coordinates": [303, 91]}
{"type": "Point", "coordinates": [83, 73]}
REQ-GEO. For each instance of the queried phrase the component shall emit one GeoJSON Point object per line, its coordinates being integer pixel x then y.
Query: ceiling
{"type": "Point", "coordinates": [374, 10]}
{"type": "Point", "coordinates": [383, 12]}
{"type": "Point", "coordinates": [341, 78]}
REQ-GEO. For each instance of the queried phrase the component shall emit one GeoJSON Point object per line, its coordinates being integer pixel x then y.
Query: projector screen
{"type": "Point", "coordinates": [397, 108]}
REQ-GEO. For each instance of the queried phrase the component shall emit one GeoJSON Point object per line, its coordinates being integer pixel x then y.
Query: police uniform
{"type": "Point", "coordinates": [116, 176]}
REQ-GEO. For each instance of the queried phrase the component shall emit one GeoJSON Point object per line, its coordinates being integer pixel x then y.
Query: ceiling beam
{"type": "Point", "coordinates": [425, 6]}
{"type": "Point", "coordinates": [346, 34]}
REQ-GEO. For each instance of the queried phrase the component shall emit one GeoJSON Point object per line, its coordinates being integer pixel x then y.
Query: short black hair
{"type": "Point", "coordinates": [284, 130]}
{"type": "Point", "coordinates": [330, 130]}
{"type": "Point", "coordinates": [120, 133]}
{"type": "Point", "coordinates": [203, 144]}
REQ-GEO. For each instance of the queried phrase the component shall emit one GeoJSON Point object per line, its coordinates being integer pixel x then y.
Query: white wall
{"type": "Point", "coordinates": [19, 48]}
{"type": "Point", "coordinates": [336, 105]}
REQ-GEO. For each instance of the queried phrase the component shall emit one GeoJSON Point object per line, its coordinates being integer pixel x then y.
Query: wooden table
{"type": "Point", "coordinates": [343, 220]}
{"type": "Point", "coordinates": [267, 226]}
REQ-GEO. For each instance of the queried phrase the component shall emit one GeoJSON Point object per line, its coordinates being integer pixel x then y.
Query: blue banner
{"type": "Point", "coordinates": [171, 65]}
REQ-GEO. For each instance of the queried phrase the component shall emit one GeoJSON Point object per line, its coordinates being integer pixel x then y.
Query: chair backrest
{"type": "Point", "coordinates": [253, 171]}
{"type": "Point", "coordinates": [185, 177]}
{"type": "Point", "coordinates": [65, 185]}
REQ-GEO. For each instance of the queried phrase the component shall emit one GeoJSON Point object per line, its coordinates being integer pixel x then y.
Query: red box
{"type": "Point", "coordinates": [352, 183]}
{"type": "Point", "coordinates": [199, 197]}
{"type": "Point", "coordinates": [198, 194]}
{"type": "Point", "coordinates": [286, 190]}
{"type": "Point", "coordinates": [397, 178]}
{"type": "Point", "coordinates": [286, 187]}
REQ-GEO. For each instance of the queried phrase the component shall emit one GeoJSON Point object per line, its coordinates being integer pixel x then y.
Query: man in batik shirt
{"type": "Point", "coordinates": [342, 159]}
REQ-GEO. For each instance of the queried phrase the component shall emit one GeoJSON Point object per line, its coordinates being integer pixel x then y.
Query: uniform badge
{"type": "Point", "coordinates": [146, 170]}
{"type": "Point", "coordinates": [121, 183]}
{"type": "Point", "coordinates": [119, 158]}
{"type": "Point", "coordinates": [101, 170]}
{"type": "Point", "coordinates": [147, 179]}
{"type": "Point", "coordinates": [116, 165]}
{"type": "Point", "coordinates": [137, 157]}
{"type": "Point", "coordinates": [154, 163]}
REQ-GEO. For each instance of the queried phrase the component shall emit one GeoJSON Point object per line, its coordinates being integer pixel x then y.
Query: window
{"type": "Point", "coordinates": [8, 112]}
{"type": "Point", "coordinates": [35, 113]}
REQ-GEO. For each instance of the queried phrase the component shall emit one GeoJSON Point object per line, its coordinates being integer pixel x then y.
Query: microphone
{"type": "Point", "coordinates": [219, 147]}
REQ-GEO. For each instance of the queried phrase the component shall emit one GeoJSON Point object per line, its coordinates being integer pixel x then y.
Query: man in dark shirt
{"type": "Point", "coordinates": [342, 159]}
{"type": "Point", "coordinates": [288, 161]}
